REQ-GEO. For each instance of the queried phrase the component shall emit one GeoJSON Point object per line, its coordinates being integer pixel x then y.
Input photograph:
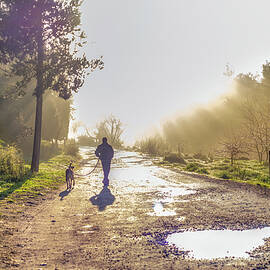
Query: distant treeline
{"type": "Point", "coordinates": [18, 115]}
{"type": "Point", "coordinates": [237, 126]}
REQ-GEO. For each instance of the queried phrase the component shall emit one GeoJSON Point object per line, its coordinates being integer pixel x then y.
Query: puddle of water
{"type": "Point", "coordinates": [160, 211]}
{"type": "Point", "coordinates": [87, 226]}
{"type": "Point", "coordinates": [139, 177]}
{"type": "Point", "coordinates": [83, 232]}
{"type": "Point", "coordinates": [213, 244]}
{"type": "Point", "coordinates": [175, 191]}
{"type": "Point", "coordinates": [131, 219]}
{"type": "Point", "coordinates": [181, 218]}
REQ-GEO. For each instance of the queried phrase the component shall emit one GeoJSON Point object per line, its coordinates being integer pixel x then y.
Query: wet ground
{"type": "Point", "coordinates": [148, 218]}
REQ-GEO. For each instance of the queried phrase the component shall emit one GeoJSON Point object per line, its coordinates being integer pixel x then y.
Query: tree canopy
{"type": "Point", "coordinates": [40, 42]}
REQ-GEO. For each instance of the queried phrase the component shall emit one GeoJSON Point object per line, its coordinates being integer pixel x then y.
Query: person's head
{"type": "Point", "coordinates": [104, 139]}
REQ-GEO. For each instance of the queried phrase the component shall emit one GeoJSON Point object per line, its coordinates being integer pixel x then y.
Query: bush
{"type": "Point", "coordinates": [48, 150]}
{"type": "Point", "coordinates": [11, 163]}
{"type": "Point", "coordinates": [2, 143]}
{"type": "Point", "coordinates": [71, 148]}
{"type": "Point", "coordinates": [242, 173]}
{"type": "Point", "coordinates": [192, 167]}
{"type": "Point", "coordinates": [153, 145]}
{"type": "Point", "coordinates": [84, 140]}
{"type": "Point", "coordinates": [200, 156]}
{"type": "Point", "coordinates": [174, 158]}
{"type": "Point", "coordinates": [243, 158]}
{"type": "Point", "coordinates": [224, 175]}
{"type": "Point", "coordinates": [202, 170]}
{"type": "Point", "coordinates": [264, 178]}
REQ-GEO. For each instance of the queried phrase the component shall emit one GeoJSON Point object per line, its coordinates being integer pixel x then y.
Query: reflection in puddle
{"type": "Point", "coordinates": [87, 226]}
{"type": "Point", "coordinates": [131, 219]}
{"type": "Point", "coordinates": [219, 243]}
{"type": "Point", "coordinates": [160, 212]}
{"type": "Point", "coordinates": [138, 174]}
{"type": "Point", "coordinates": [174, 191]}
{"type": "Point", "coordinates": [181, 218]}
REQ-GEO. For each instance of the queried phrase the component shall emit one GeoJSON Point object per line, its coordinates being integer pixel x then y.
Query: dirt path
{"type": "Point", "coordinates": [126, 226]}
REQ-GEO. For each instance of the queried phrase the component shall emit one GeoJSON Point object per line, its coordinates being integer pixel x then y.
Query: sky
{"type": "Point", "coordinates": [166, 57]}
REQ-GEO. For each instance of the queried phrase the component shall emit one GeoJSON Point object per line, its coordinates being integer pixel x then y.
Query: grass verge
{"type": "Point", "coordinates": [50, 176]}
{"type": "Point", "coordinates": [247, 171]}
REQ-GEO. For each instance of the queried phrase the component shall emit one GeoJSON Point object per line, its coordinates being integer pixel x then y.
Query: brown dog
{"type": "Point", "coordinates": [70, 177]}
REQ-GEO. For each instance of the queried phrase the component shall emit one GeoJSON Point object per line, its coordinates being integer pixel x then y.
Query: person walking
{"type": "Point", "coordinates": [105, 153]}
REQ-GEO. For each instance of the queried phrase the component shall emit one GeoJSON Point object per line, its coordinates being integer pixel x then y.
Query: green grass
{"type": "Point", "coordinates": [248, 171]}
{"type": "Point", "coordinates": [51, 174]}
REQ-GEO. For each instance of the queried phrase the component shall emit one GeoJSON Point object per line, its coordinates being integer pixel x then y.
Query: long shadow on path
{"type": "Point", "coordinates": [104, 198]}
{"type": "Point", "coordinates": [63, 194]}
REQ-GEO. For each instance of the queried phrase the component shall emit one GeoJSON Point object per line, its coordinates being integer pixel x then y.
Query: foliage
{"type": "Point", "coordinates": [48, 150]}
{"type": "Point", "coordinates": [17, 119]}
{"type": "Point", "coordinates": [192, 167]}
{"type": "Point", "coordinates": [233, 144]}
{"type": "Point", "coordinates": [57, 113]}
{"type": "Point", "coordinates": [39, 41]}
{"type": "Point", "coordinates": [49, 177]}
{"type": "Point", "coordinates": [203, 170]}
{"type": "Point", "coordinates": [112, 128]}
{"type": "Point", "coordinates": [71, 148]}
{"type": "Point", "coordinates": [174, 158]}
{"type": "Point", "coordinates": [196, 167]}
{"type": "Point", "coordinates": [85, 140]}
{"type": "Point", "coordinates": [152, 145]}
{"type": "Point", "coordinates": [237, 125]}
{"type": "Point", "coordinates": [11, 164]}
{"type": "Point", "coordinates": [200, 156]}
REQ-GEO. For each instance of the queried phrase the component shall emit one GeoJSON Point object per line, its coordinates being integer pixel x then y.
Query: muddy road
{"type": "Point", "coordinates": [148, 218]}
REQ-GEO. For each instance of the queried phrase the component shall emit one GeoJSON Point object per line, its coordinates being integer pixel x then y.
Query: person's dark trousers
{"type": "Point", "coordinates": [106, 166]}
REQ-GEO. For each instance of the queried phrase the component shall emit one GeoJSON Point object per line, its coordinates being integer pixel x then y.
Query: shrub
{"type": "Point", "coordinates": [2, 143]}
{"type": "Point", "coordinates": [242, 174]}
{"type": "Point", "coordinates": [153, 145]}
{"type": "Point", "coordinates": [200, 156]}
{"type": "Point", "coordinates": [264, 178]}
{"type": "Point", "coordinates": [71, 148]}
{"type": "Point", "coordinates": [174, 158]}
{"type": "Point", "coordinates": [11, 163]}
{"type": "Point", "coordinates": [265, 163]}
{"type": "Point", "coordinates": [224, 175]}
{"type": "Point", "coordinates": [84, 140]}
{"type": "Point", "coordinates": [192, 167]}
{"type": "Point", "coordinates": [48, 150]}
{"type": "Point", "coordinates": [202, 170]}
{"type": "Point", "coordinates": [243, 158]}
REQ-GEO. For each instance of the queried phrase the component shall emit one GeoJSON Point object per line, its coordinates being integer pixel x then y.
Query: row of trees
{"type": "Point", "coordinates": [237, 126]}
{"type": "Point", "coordinates": [17, 118]}
{"type": "Point", "coordinates": [39, 49]}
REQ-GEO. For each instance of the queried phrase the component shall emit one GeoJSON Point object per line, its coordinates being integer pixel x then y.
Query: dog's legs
{"type": "Point", "coordinates": [73, 180]}
{"type": "Point", "coordinates": [70, 183]}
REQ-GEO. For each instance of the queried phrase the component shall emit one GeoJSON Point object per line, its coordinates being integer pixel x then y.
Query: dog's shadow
{"type": "Point", "coordinates": [104, 198]}
{"type": "Point", "coordinates": [63, 194]}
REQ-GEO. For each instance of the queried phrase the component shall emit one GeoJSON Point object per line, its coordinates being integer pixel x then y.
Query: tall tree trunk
{"type": "Point", "coordinates": [39, 92]}
{"type": "Point", "coordinates": [37, 136]}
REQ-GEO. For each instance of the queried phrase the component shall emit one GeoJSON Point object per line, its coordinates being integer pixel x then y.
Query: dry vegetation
{"type": "Point", "coordinates": [230, 140]}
